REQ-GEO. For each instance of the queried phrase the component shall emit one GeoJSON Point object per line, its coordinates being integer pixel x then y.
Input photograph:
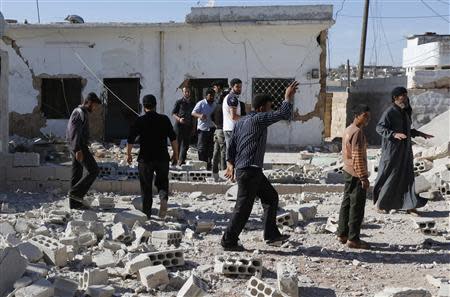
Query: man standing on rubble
{"type": "Point", "coordinates": [77, 135]}
{"type": "Point", "coordinates": [184, 124]}
{"type": "Point", "coordinates": [246, 155]}
{"type": "Point", "coordinates": [232, 109]}
{"type": "Point", "coordinates": [354, 153]}
{"type": "Point", "coordinates": [394, 187]}
{"type": "Point", "coordinates": [152, 130]}
{"type": "Point", "coordinates": [219, 157]}
{"type": "Point", "coordinates": [205, 127]}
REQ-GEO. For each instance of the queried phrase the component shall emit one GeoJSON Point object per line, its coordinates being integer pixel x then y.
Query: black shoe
{"type": "Point", "coordinates": [277, 240]}
{"type": "Point", "coordinates": [232, 247]}
{"type": "Point", "coordinates": [76, 204]}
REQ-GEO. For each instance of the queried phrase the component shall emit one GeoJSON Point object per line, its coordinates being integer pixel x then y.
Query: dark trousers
{"type": "Point", "coordinates": [80, 185]}
{"type": "Point", "coordinates": [219, 158]}
{"type": "Point", "coordinates": [146, 172]}
{"type": "Point", "coordinates": [251, 183]}
{"type": "Point", "coordinates": [184, 133]}
{"type": "Point", "coordinates": [205, 146]}
{"type": "Point", "coordinates": [352, 208]}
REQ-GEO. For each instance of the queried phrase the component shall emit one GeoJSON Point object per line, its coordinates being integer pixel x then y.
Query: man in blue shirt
{"type": "Point", "coordinates": [246, 156]}
{"type": "Point", "coordinates": [205, 127]}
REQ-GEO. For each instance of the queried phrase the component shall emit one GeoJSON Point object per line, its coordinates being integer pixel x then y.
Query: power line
{"type": "Point", "coordinates": [396, 17]}
{"type": "Point", "coordinates": [434, 11]}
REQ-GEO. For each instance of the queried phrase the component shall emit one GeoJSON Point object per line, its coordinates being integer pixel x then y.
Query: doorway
{"type": "Point", "coordinates": [118, 117]}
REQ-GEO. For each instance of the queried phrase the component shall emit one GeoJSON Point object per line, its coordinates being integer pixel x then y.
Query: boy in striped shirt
{"type": "Point", "coordinates": [354, 152]}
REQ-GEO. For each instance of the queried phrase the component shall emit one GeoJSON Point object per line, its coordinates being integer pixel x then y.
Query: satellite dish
{"type": "Point", "coordinates": [74, 19]}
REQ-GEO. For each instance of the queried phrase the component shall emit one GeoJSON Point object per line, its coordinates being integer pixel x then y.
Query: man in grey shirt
{"type": "Point", "coordinates": [77, 137]}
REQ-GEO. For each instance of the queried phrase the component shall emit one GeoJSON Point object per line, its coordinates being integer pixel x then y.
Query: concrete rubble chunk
{"type": "Point", "coordinates": [287, 280]}
{"type": "Point", "coordinates": [36, 270]}
{"type": "Point", "coordinates": [141, 235]}
{"type": "Point", "coordinates": [21, 226]}
{"type": "Point", "coordinates": [93, 276]}
{"type": "Point", "coordinates": [169, 258]}
{"type": "Point", "coordinates": [129, 217]}
{"type": "Point", "coordinates": [444, 290]}
{"type": "Point", "coordinates": [231, 193]}
{"type": "Point", "coordinates": [121, 232]}
{"type": "Point", "coordinates": [30, 251]}
{"type": "Point", "coordinates": [75, 228]}
{"type": "Point", "coordinates": [154, 276]}
{"type": "Point", "coordinates": [403, 292]}
{"type": "Point", "coordinates": [436, 281]}
{"type": "Point", "coordinates": [137, 203]}
{"type": "Point", "coordinates": [197, 195]}
{"type": "Point", "coordinates": [289, 218]}
{"type": "Point", "coordinates": [193, 287]}
{"type": "Point", "coordinates": [104, 259]}
{"type": "Point", "coordinates": [421, 184]}
{"type": "Point", "coordinates": [100, 291]}
{"type": "Point", "coordinates": [137, 263]}
{"type": "Point", "coordinates": [40, 288]}
{"type": "Point", "coordinates": [332, 224]}
{"type": "Point", "coordinates": [87, 239]}
{"type": "Point", "coordinates": [204, 226]}
{"type": "Point", "coordinates": [307, 211]}
{"type": "Point", "coordinates": [89, 215]}
{"type": "Point", "coordinates": [6, 228]}
{"type": "Point", "coordinates": [167, 237]}
{"type": "Point", "coordinates": [54, 252]}
{"type": "Point", "coordinates": [65, 287]}
{"type": "Point", "coordinates": [437, 152]}
{"type": "Point", "coordinates": [12, 267]}
{"type": "Point", "coordinates": [258, 288]}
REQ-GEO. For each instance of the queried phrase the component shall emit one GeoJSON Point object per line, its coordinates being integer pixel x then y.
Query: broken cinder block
{"type": "Point", "coordinates": [154, 276]}
{"type": "Point", "coordinates": [168, 258]}
{"type": "Point", "coordinates": [258, 288]}
{"type": "Point", "coordinates": [93, 276]}
{"type": "Point", "coordinates": [129, 217]}
{"type": "Point", "coordinates": [193, 287]}
{"type": "Point", "coordinates": [54, 252]}
{"type": "Point", "coordinates": [168, 237]}
{"type": "Point", "coordinates": [287, 280]}
{"type": "Point", "coordinates": [238, 266]}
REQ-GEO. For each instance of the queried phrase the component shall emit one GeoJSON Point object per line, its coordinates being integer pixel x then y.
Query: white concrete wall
{"type": "Point", "coordinates": [203, 51]}
{"type": "Point", "coordinates": [433, 54]}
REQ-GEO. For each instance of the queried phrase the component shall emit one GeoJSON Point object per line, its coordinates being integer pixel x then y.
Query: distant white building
{"type": "Point", "coordinates": [427, 62]}
{"type": "Point", "coordinates": [426, 59]}
{"type": "Point", "coordinates": [52, 66]}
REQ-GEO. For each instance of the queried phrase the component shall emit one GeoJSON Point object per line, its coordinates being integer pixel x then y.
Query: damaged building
{"type": "Point", "coordinates": [52, 66]}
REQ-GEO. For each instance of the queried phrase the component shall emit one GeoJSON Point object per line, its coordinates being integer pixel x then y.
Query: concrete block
{"type": "Point", "coordinates": [137, 263]}
{"type": "Point", "coordinates": [41, 288]}
{"type": "Point", "coordinates": [6, 228]}
{"type": "Point", "coordinates": [89, 215]}
{"type": "Point", "coordinates": [26, 160]}
{"type": "Point", "coordinates": [169, 258]}
{"type": "Point", "coordinates": [430, 231]}
{"type": "Point", "coordinates": [167, 237]}
{"type": "Point", "coordinates": [403, 292]}
{"type": "Point", "coordinates": [154, 276]}
{"type": "Point", "coordinates": [141, 235]}
{"type": "Point", "coordinates": [87, 239]}
{"type": "Point", "coordinates": [105, 202]}
{"type": "Point", "coordinates": [12, 267]}
{"type": "Point", "coordinates": [100, 291]}
{"type": "Point", "coordinates": [424, 223]}
{"type": "Point", "coordinates": [204, 226]}
{"type": "Point", "coordinates": [43, 173]}
{"type": "Point", "coordinates": [258, 288]}
{"type": "Point", "coordinates": [178, 175]}
{"type": "Point", "coordinates": [97, 228]}
{"type": "Point", "coordinates": [193, 287]}
{"type": "Point", "coordinates": [287, 280]}
{"type": "Point", "coordinates": [18, 174]}
{"type": "Point", "coordinates": [238, 265]}
{"type": "Point", "coordinates": [129, 217]}
{"type": "Point", "coordinates": [199, 176]}
{"type": "Point", "coordinates": [231, 193]}
{"type": "Point", "coordinates": [445, 188]}
{"type": "Point", "coordinates": [104, 259]}
{"type": "Point", "coordinates": [121, 232]}
{"type": "Point", "coordinates": [422, 165]}
{"type": "Point", "coordinates": [437, 152]}
{"type": "Point", "coordinates": [30, 251]}
{"type": "Point", "coordinates": [93, 276]}
{"type": "Point", "coordinates": [65, 287]}
{"type": "Point", "coordinates": [196, 165]}
{"type": "Point", "coordinates": [307, 211]}
{"type": "Point", "coordinates": [63, 173]}
{"type": "Point", "coordinates": [75, 228]}
{"type": "Point", "coordinates": [130, 186]}
{"type": "Point", "coordinates": [421, 184]}
{"type": "Point", "coordinates": [137, 203]}
{"type": "Point", "coordinates": [54, 252]}
{"type": "Point", "coordinates": [111, 245]}
{"type": "Point", "coordinates": [287, 219]}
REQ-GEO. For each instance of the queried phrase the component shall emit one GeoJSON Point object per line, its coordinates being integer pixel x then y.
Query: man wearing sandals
{"type": "Point", "coordinates": [354, 152]}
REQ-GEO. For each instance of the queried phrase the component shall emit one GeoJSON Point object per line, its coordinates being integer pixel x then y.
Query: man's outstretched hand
{"type": "Point", "coordinates": [290, 91]}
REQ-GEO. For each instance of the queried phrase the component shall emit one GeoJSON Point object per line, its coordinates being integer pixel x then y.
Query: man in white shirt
{"type": "Point", "coordinates": [232, 109]}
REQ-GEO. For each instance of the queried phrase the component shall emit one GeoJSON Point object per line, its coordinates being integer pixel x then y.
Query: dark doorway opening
{"type": "Point", "coordinates": [60, 96]}
{"type": "Point", "coordinates": [119, 117]}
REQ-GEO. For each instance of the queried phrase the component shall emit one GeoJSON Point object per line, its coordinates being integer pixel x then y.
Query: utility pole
{"type": "Point", "coordinates": [39, 16]}
{"type": "Point", "coordinates": [362, 50]}
{"type": "Point", "coordinates": [348, 74]}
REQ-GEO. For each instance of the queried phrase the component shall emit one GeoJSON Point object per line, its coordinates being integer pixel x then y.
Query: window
{"type": "Point", "coordinates": [272, 86]}
{"type": "Point", "coordinates": [59, 96]}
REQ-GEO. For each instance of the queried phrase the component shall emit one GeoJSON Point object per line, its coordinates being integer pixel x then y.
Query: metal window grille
{"type": "Point", "coordinates": [272, 86]}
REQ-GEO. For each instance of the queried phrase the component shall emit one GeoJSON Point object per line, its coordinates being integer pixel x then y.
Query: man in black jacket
{"type": "Point", "coordinates": [153, 129]}
{"type": "Point", "coordinates": [78, 136]}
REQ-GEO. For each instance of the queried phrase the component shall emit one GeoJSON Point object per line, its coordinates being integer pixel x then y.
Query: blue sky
{"type": "Point", "coordinates": [386, 35]}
